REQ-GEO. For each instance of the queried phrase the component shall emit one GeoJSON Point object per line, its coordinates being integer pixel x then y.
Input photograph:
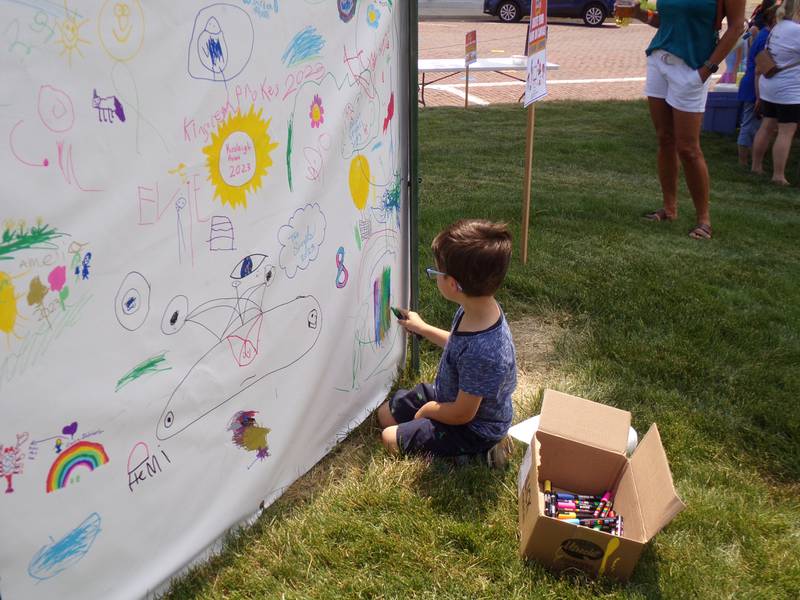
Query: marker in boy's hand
{"type": "Point", "coordinates": [410, 321]}
{"type": "Point", "coordinates": [398, 313]}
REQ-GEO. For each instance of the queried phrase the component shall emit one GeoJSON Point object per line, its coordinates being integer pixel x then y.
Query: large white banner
{"type": "Point", "coordinates": [203, 221]}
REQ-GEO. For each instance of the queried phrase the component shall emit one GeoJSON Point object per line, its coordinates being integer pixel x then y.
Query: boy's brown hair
{"type": "Point", "coordinates": [476, 253]}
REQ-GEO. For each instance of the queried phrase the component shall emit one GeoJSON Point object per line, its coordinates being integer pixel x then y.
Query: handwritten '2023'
{"type": "Point", "coordinates": [239, 169]}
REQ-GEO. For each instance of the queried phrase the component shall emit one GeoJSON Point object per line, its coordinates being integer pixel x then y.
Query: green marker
{"type": "Point", "coordinates": [397, 313]}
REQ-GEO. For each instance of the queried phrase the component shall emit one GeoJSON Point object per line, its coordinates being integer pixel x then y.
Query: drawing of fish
{"type": "Point", "coordinates": [290, 330]}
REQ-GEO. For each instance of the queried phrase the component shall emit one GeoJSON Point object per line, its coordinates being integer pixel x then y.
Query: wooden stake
{"type": "Point", "coordinates": [526, 194]}
{"type": "Point", "coordinates": [466, 90]}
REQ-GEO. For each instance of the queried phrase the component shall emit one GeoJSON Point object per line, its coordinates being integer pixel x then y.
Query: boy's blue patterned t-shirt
{"type": "Point", "coordinates": [481, 363]}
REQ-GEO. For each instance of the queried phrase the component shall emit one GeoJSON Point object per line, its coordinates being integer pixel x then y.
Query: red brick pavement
{"type": "Point", "coordinates": [581, 53]}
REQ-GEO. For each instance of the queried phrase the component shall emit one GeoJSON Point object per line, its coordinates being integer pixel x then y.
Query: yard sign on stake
{"type": "Point", "coordinates": [535, 89]}
{"type": "Point", "coordinates": [470, 56]}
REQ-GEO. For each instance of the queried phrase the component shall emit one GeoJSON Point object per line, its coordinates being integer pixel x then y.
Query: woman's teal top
{"type": "Point", "coordinates": [686, 29]}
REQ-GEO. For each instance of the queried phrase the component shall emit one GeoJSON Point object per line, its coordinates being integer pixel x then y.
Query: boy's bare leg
{"type": "Point", "coordinates": [389, 439]}
{"type": "Point", "coordinates": [385, 418]}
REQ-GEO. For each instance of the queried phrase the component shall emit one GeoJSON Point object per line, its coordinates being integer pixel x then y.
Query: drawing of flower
{"type": "Point", "coordinates": [373, 16]}
{"type": "Point", "coordinates": [317, 113]}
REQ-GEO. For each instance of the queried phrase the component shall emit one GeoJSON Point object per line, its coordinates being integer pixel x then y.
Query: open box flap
{"type": "Point", "coordinates": [658, 499]}
{"type": "Point", "coordinates": [585, 421]}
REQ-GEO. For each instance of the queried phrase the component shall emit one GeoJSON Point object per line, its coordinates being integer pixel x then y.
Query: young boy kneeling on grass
{"type": "Point", "coordinates": [468, 410]}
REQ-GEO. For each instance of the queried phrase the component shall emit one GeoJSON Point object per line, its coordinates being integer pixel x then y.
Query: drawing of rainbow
{"type": "Point", "coordinates": [88, 455]}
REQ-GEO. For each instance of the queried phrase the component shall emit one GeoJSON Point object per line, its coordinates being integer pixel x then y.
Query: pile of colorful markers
{"type": "Point", "coordinates": [595, 512]}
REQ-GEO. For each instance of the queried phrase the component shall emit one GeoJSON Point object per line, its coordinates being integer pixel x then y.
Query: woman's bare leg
{"type": "Point", "coordinates": [662, 117]}
{"type": "Point", "coordinates": [687, 141]}
{"type": "Point", "coordinates": [761, 143]}
{"type": "Point", "coordinates": [780, 152]}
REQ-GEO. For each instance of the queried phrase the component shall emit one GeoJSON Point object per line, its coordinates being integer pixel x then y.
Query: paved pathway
{"type": "Point", "coordinates": [601, 63]}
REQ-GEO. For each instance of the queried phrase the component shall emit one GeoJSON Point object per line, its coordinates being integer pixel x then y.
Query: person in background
{"type": "Point", "coordinates": [681, 58]}
{"type": "Point", "coordinates": [779, 96]}
{"type": "Point", "coordinates": [758, 32]}
{"type": "Point", "coordinates": [468, 410]}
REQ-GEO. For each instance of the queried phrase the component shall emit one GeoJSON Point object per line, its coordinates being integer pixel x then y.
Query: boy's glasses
{"type": "Point", "coordinates": [433, 274]}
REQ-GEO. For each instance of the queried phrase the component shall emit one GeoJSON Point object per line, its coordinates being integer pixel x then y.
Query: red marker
{"type": "Point", "coordinates": [606, 497]}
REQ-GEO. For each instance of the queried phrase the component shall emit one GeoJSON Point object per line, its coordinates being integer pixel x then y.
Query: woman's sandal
{"type": "Point", "coordinates": [658, 215]}
{"type": "Point", "coordinates": [701, 231]}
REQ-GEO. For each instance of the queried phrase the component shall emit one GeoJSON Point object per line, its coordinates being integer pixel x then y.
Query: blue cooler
{"type": "Point", "coordinates": [722, 110]}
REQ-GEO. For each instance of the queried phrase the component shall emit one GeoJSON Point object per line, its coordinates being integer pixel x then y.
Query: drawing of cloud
{"type": "Point", "coordinates": [305, 45]}
{"type": "Point", "coordinates": [54, 558]}
{"type": "Point", "coordinates": [301, 238]}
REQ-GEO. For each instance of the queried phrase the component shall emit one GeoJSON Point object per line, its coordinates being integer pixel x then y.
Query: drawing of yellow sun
{"type": "Point", "coordinates": [70, 29]}
{"type": "Point", "coordinates": [239, 156]}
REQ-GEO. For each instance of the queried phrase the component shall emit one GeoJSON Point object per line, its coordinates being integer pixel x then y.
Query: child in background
{"type": "Point", "coordinates": [751, 121]}
{"type": "Point", "coordinates": [468, 410]}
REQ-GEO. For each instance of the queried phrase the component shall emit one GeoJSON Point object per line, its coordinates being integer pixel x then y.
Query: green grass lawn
{"type": "Point", "coordinates": [702, 338]}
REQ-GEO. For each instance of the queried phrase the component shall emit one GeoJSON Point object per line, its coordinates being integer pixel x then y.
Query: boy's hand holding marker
{"type": "Point", "coordinates": [413, 323]}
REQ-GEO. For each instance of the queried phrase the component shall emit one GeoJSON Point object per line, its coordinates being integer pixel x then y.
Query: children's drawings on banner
{"type": "Point", "coordinates": [221, 44]}
{"type": "Point", "coordinates": [359, 181]}
{"type": "Point", "coordinates": [58, 556]}
{"type": "Point", "coordinates": [294, 327]}
{"type": "Point", "coordinates": [221, 235]}
{"type": "Point", "coordinates": [239, 156]}
{"type": "Point", "coordinates": [132, 302]}
{"type": "Point", "coordinates": [70, 464]}
{"type": "Point", "coordinates": [177, 206]}
{"type": "Point", "coordinates": [71, 40]}
{"type": "Point", "coordinates": [31, 31]}
{"type": "Point", "coordinates": [301, 239]}
{"type": "Point", "coordinates": [28, 143]}
{"type": "Point", "coordinates": [264, 8]}
{"type": "Point", "coordinates": [12, 461]}
{"type": "Point", "coordinates": [107, 108]}
{"type": "Point", "coordinates": [347, 8]}
{"type": "Point", "coordinates": [143, 466]}
{"type": "Point", "coordinates": [342, 274]}
{"type": "Point", "coordinates": [306, 45]}
{"type": "Point", "coordinates": [149, 366]}
{"type": "Point", "coordinates": [38, 299]}
{"type": "Point", "coordinates": [249, 435]}
{"type": "Point", "coordinates": [121, 28]}
{"type": "Point", "coordinates": [201, 238]}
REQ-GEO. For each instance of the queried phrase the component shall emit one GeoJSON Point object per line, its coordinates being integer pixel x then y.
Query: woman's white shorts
{"type": "Point", "coordinates": [670, 78]}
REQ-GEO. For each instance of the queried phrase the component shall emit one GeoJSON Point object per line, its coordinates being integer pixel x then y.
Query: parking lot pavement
{"type": "Point", "coordinates": [603, 63]}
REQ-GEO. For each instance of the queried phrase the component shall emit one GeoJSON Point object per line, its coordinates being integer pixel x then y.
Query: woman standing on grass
{"type": "Point", "coordinates": [779, 96]}
{"type": "Point", "coordinates": [684, 53]}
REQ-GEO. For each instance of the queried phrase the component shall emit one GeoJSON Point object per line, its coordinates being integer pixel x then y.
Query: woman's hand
{"type": "Point", "coordinates": [704, 73]}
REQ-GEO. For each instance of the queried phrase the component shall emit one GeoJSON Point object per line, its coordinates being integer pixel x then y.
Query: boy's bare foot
{"type": "Point", "coordinates": [497, 457]}
{"type": "Point", "coordinates": [757, 171]}
{"type": "Point", "coordinates": [782, 182]}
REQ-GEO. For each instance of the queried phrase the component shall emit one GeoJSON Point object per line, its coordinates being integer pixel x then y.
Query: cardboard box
{"type": "Point", "coordinates": [580, 447]}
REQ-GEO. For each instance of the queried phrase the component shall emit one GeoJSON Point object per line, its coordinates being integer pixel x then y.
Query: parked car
{"type": "Point", "coordinates": [593, 12]}
{"type": "Point", "coordinates": [454, 9]}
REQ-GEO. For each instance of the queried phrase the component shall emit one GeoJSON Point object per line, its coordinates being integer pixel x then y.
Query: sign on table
{"type": "Point", "coordinates": [471, 47]}
{"type": "Point", "coordinates": [536, 81]}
